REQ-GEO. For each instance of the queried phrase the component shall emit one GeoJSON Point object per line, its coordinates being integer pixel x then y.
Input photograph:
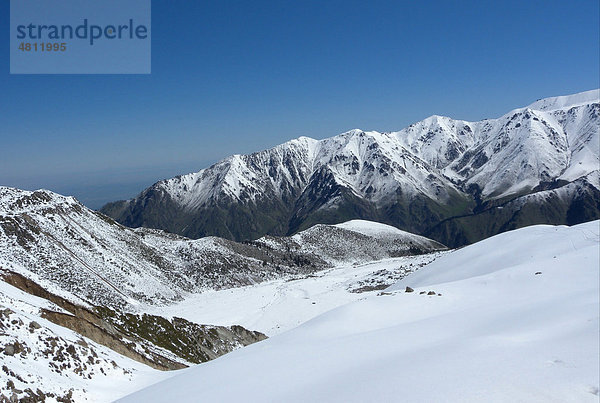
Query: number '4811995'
{"type": "Point", "coordinates": [43, 47]}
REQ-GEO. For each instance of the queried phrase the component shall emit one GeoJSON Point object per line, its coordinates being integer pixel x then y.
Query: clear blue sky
{"type": "Point", "coordinates": [236, 77]}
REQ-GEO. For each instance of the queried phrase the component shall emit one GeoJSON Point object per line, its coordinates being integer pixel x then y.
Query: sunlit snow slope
{"type": "Point", "coordinates": [511, 318]}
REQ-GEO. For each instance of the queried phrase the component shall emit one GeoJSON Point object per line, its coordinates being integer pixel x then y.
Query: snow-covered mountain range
{"type": "Point", "coordinates": [440, 177]}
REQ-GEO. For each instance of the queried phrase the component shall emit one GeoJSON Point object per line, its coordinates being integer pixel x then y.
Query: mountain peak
{"type": "Point", "coordinates": [16, 201]}
{"type": "Point", "coordinates": [566, 101]}
{"type": "Point", "coordinates": [353, 132]}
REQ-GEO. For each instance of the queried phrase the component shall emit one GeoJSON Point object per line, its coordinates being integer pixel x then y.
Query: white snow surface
{"type": "Point", "coordinates": [372, 228]}
{"type": "Point", "coordinates": [517, 320]}
{"type": "Point", "coordinates": [273, 307]}
{"type": "Point", "coordinates": [565, 101]}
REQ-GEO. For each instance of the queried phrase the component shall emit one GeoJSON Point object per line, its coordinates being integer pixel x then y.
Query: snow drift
{"type": "Point", "coordinates": [512, 318]}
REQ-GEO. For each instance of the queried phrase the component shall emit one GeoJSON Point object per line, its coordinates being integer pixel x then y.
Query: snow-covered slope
{"type": "Point", "coordinates": [59, 243]}
{"type": "Point", "coordinates": [370, 228]}
{"type": "Point", "coordinates": [88, 258]}
{"type": "Point", "coordinates": [51, 348]}
{"type": "Point", "coordinates": [566, 101]}
{"type": "Point", "coordinates": [512, 318]}
{"type": "Point", "coordinates": [43, 361]}
{"type": "Point", "coordinates": [353, 242]}
{"type": "Point", "coordinates": [414, 179]}
{"type": "Point", "coordinates": [92, 286]}
{"type": "Point", "coordinates": [273, 307]}
{"type": "Point", "coordinates": [533, 145]}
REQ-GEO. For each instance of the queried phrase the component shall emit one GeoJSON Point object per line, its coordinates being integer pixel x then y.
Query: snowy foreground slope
{"type": "Point", "coordinates": [517, 320]}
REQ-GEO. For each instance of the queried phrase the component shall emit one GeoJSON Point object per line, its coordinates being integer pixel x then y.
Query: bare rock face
{"type": "Point", "coordinates": [9, 350]}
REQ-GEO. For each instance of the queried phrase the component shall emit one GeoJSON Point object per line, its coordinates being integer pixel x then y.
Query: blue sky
{"type": "Point", "coordinates": [236, 77]}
